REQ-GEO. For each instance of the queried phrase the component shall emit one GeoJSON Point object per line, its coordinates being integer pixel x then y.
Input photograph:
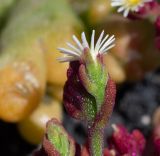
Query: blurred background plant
{"type": "Point", "coordinates": [31, 78]}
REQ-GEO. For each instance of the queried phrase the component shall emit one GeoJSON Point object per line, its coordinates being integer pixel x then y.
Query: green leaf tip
{"type": "Point", "coordinates": [59, 138]}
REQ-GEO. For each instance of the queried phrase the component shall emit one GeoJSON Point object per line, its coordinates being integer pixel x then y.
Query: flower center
{"type": "Point", "coordinates": [133, 2]}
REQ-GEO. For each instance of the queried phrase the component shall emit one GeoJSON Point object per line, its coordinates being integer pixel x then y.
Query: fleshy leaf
{"type": "Point", "coordinates": [94, 78]}
{"type": "Point", "coordinates": [56, 141]}
{"type": "Point", "coordinates": [78, 102]}
{"type": "Point", "coordinates": [125, 143]}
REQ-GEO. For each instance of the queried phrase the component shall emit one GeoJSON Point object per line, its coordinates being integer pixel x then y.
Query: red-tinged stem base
{"type": "Point", "coordinates": [96, 141]}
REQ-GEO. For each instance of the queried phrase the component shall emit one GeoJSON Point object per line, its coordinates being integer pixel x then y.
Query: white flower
{"type": "Point", "coordinates": [75, 52]}
{"type": "Point", "coordinates": [128, 5]}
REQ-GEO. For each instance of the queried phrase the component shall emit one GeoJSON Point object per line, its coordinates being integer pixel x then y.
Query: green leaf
{"type": "Point", "coordinates": [59, 139]}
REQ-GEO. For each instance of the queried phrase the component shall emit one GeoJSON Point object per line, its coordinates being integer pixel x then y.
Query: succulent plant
{"type": "Point", "coordinates": [124, 143]}
{"type": "Point", "coordinates": [89, 92]}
